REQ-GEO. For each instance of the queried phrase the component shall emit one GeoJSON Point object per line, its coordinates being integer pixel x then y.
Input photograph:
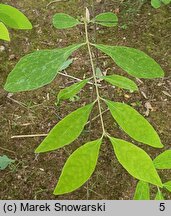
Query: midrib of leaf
{"type": "Point", "coordinates": [8, 17]}
{"type": "Point", "coordinates": [66, 22]}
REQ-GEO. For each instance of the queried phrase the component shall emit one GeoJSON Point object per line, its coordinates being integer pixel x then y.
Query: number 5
{"type": "Point", "coordinates": [162, 206]}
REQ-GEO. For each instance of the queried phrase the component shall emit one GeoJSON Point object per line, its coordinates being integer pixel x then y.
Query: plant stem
{"type": "Point", "coordinates": [4, 149]}
{"type": "Point", "coordinates": [94, 76]}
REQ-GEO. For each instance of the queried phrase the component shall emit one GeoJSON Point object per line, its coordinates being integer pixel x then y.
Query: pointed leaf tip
{"type": "Point", "coordinates": [67, 130]}
{"type": "Point", "coordinates": [133, 61]}
{"type": "Point", "coordinates": [134, 124]}
{"type": "Point", "coordinates": [78, 168]}
{"type": "Point", "coordinates": [136, 161]}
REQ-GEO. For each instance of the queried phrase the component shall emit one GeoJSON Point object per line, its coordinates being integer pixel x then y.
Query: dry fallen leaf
{"type": "Point", "coordinates": [166, 93]}
{"type": "Point", "coordinates": [149, 108]}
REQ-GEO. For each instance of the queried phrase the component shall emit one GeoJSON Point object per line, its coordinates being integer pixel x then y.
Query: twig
{"type": "Point", "coordinates": [18, 102]}
{"type": "Point", "coordinates": [72, 77]}
{"type": "Point", "coordinates": [97, 116]}
{"type": "Point", "coordinates": [4, 149]}
{"type": "Point", "coordinates": [29, 136]}
{"type": "Point", "coordinates": [55, 1]}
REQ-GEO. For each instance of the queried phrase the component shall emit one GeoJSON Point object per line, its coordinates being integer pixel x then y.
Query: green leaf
{"type": "Point", "coordinates": [156, 3]}
{"type": "Point", "coordinates": [136, 161]}
{"type": "Point", "coordinates": [99, 73]}
{"type": "Point", "coordinates": [142, 191]}
{"type": "Point", "coordinates": [159, 195]}
{"type": "Point", "coordinates": [133, 61]}
{"type": "Point", "coordinates": [63, 21]}
{"type": "Point", "coordinates": [78, 168]}
{"type": "Point", "coordinates": [67, 130]}
{"type": "Point", "coordinates": [4, 34]}
{"type": "Point", "coordinates": [38, 69]}
{"type": "Point", "coordinates": [13, 18]}
{"type": "Point", "coordinates": [66, 64]}
{"type": "Point", "coordinates": [134, 124]}
{"type": "Point", "coordinates": [71, 90]}
{"type": "Point", "coordinates": [121, 82]}
{"type": "Point", "coordinates": [167, 185]}
{"type": "Point", "coordinates": [166, 2]}
{"type": "Point", "coordinates": [163, 161]}
{"type": "Point", "coordinates": [5, 161]}
{"type": "Point", "coordinates": [108, 19]}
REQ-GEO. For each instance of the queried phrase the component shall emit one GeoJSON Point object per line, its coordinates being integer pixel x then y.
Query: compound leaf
{"type": "Point", "coordinates": [4, 34]}
{"type": "Point", "coordinates": [136, 161]}
{"type": "Point", "coordinates": [163, 161]}
{"type": "Point", "coordinates": [167, 185]}
{"type": "Point", "coordinates": [133, 61]}
{"type": "Point", "coordinates": [142, 191]}
{"type": "Point", "coordinates": [13, 18]}
{"type": "Point", "coordinates": [159, 195]}
{"type": "Point", "coordinates": [121, 82]}
{"type": "Point", "coordinates": [71, 90]}
{"type": "Point", "coordinates": [134, 124]}
{"type": "Point", "coordinates": [78, 168]}
{"type": "Point", "coordinates": [38, 69]}
{"type": "Point", "coordinates": [5, 161]}
{"type": "Point", "coordinates": [62, 21]}
{"type": "Point", "coordinates": [66, 131]}
{"type": "Point", "coordinates": [108, 19]}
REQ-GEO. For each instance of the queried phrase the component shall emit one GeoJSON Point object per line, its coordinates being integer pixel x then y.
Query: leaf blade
{"type": "Point", "coordinates": [14, 18]}
{"type": "Point", "coordinates": [63, 21]}
{"type": "Point", "coordinates": [121, 82]}
{"type": "Point", "coordinates": [4, 34]}
{"type": "Point", "coordinates": [78, 168]}
{"type": "Point", "coordinates": [134, 124]}
{"type": "Point", "coordinates": [159, 195]}
{"type": "Point", "coordinates": [5, 161]}
{"type": "Point", "coordinates": [140, 166]}
{"type": "Point", "coordinates": [142, 191]}
{"type": "Point", "coordinates": [108, 19]}
{"type": "Point", "coordinates": [167, 185]}
{"type": "Point", "coordinates": [163, 161]}
{"type": "Point", "coordinates": [133, 61]}
{"type": "Point", "coordinates": [166, 2]}
{"type": "Point", "coordinates": [66, 64]}
{"type": "Point", "coordinates": [38, 69]}
{"type": "Point", "coordinates": [66, 131]}
{"type": "Point", "coordinates": [156, 3]}
{"type": "Point", "coordinates": [71, 90]}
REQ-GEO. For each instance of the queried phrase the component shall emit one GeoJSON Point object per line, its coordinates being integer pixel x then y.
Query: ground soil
{"type": "Point", "coordinates": [35, 176]}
